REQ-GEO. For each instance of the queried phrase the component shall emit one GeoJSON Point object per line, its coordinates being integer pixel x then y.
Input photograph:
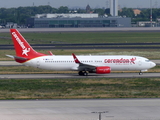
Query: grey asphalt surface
{"type": "Point", "coordinates": [74, 47]}
{"type": "Point", "coordinates": [96, 29]}
{"type": "Point", "coordinates": [117, 109]}
{"type": "Point", "coordinates": [65, 76]}
{"type": "Point", "coordinates": [9, 63]}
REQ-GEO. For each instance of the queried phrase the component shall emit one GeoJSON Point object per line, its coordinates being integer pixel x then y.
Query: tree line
{"type": "Point", "coordinates": [143, 16]}
{"type": "Point", "coordinates": [20, 14]}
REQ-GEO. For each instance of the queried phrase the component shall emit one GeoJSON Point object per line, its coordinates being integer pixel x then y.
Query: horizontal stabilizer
{"type": "Point", "coordinates": [11, 56]}
{"type": "Point", "coordinates": [16, 57]}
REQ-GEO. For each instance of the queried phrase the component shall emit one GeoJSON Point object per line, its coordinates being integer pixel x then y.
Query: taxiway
{"type": "Point", "coordinates": [58, 75]}
{"type": "Point", "coordinates": [92, 29]}
{"type": "Point", "coordinates": [116, 109]}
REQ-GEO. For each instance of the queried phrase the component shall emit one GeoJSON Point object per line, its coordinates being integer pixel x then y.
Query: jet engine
{"type": "Point", "coordinates": [103, 70]}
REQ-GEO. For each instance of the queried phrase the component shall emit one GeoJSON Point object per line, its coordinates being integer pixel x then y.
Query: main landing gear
{"type": "Point", "coordinates": [140, 73]}
{"type": "Point", "coordinates": [83, 73]}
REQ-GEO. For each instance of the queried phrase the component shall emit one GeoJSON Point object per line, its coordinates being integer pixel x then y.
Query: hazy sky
{"type": "Point", "coordinates": [79, 3]}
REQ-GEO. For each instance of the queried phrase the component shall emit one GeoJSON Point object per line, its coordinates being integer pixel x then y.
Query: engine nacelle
{"type": "Point", "coordinates": [103, 70]}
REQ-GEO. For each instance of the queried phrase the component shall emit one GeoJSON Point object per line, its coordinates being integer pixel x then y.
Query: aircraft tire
{"type": "Point", "coordinates": [81, 73]}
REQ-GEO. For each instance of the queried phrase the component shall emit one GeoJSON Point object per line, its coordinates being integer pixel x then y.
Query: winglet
{"type": "Point", "coordinates": [50, 53]}
{"type": "Point", "coordinates": [75, 58]}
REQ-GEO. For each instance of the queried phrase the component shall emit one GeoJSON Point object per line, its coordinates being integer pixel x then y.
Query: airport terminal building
{"type": "Point", "coordinates": [76, 20]}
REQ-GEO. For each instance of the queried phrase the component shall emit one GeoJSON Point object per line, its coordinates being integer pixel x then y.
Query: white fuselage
{"type": "Point", "coordinates": [116, 63]}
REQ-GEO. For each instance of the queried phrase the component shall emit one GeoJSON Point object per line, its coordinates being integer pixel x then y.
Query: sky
{"type": "Point", "coordinates": [79, 3]}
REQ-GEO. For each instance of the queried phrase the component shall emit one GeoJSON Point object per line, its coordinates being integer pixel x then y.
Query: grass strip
{"type": "Point", "coordinates": [85, 37]}
{"type": "Point", "coordinates": [83, 88]}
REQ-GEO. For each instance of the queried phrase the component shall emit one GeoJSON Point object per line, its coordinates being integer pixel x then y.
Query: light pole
{"type": "Point", "coordinates": [151, 12]}
{"type": "Point", "coordinates": [100, 118]}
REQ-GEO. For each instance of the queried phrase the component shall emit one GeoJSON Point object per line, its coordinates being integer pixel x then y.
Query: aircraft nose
{"type": "Point", "coordinates": [152, 64]}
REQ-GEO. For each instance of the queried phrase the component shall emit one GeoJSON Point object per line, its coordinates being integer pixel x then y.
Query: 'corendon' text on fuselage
{"type": "Point", "coordinates": [122, 60]}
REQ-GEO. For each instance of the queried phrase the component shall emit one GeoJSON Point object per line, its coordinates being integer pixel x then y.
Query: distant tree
{"type": "Point", "coordinates": [81, 10]}
{"type": "Point", "coordinates": [54, 10]}
{"type": "Point", "coordinates": [107, 11]}
{"type": "Point", "coordinates": [63, 9]}
{"type": "Point", "coordinates": [100, 11]}
{"type": "Point", "coordinates": [128, 12]}
{"type": "Point", "coordinates": [144, 14]}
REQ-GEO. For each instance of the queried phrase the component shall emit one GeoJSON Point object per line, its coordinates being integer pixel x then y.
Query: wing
{"type": "Point", "coordinates": [83, 66]}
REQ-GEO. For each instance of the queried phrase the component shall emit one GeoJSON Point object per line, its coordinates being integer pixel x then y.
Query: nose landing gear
{"type": "Point", "coordinates": [140, 73]}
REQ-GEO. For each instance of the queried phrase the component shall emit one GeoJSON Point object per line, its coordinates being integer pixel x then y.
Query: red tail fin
{"type": "Point", "coordinates": [22, 47]}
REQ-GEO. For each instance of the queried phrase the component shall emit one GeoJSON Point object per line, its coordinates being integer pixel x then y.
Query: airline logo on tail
{"type": "Point", "coordinates": [24, 49]}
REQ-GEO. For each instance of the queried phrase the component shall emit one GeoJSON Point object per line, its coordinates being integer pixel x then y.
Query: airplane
{"type": "Point", "coordinates": [84, 64]}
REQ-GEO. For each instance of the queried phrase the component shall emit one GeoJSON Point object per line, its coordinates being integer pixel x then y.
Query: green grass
{"type": "Point", "coordinates": [85, 37]}
{"type": "Point", "coordinates": [80, 88]}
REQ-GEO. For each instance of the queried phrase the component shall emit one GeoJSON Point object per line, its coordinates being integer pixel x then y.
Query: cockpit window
{"type": "Point", "coordinates": [147, 60]}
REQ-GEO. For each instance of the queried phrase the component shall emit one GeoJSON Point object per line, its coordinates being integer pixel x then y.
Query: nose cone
{"type": "Point", "coordinates": [152, 64]}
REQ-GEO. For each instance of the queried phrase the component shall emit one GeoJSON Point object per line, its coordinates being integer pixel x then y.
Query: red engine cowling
{"type": "Point", "coordinates": [103, 70]}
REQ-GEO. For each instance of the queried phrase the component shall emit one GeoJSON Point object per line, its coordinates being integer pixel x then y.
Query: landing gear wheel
{"type": "Point", "coordinates": [140, 73]}
{"type": "Point", "coordinates": [83, 73]}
